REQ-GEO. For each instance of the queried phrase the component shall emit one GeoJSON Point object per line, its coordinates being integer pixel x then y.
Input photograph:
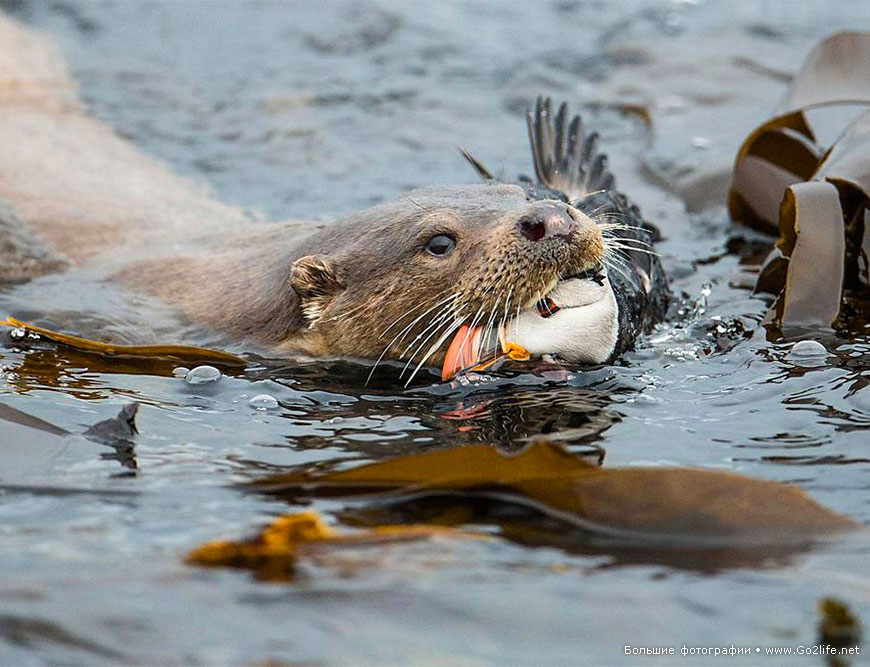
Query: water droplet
{"type": "Point", "coordinates": [263, 402]}
{"type": "Point", "coordinates": [808, 352]}
{"type": "Point", "coordinates": [180, 372]}
{"type": "Point", "coordinates": [17, 333]}
{"type": "Point", "coordinates": [699, 307]}
{"type": "Point", "coordinates": [202, 374]}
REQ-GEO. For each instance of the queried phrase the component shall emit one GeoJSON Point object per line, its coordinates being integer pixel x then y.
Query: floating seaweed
{"type": "Point", "coordinates": [686, 517]}
{"type": "Point", "coordinates": [838, 626]}
{"type": "Point", "coordinates": [173, 353]}
{"type": "Point", "coordinates": [815, 197]}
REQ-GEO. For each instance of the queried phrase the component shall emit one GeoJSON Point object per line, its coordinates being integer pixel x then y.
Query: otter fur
{"type": "Point", "coordinates": [339, 289]}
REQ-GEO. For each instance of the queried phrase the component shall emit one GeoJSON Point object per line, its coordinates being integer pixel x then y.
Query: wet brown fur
{"type": "Point", "coordinates": [389, 279]}
{"type": "Point", "coordinates": [351, 287]}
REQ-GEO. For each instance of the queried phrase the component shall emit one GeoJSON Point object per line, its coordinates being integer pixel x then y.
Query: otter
{"type": "Point", "coordinates": [558, 267]}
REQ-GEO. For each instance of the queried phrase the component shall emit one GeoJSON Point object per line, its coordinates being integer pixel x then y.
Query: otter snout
{"type": "Point", "coordinates": [547, 221]}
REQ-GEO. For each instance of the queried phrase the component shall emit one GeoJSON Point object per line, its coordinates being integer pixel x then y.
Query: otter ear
{"type": "Point", "coordinates": [315, 280]}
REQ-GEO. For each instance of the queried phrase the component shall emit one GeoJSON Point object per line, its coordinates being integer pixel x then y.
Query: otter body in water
{"type": "Point", "coordinates": [558, 266]}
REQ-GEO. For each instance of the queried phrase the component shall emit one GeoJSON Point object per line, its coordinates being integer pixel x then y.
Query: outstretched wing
{"type": "Point", "coordinates": [566, 157]}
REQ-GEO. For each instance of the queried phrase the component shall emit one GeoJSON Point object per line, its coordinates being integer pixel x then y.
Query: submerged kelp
{"type": "Point", "coordinates": [273, 554]}
{"type": "Point", "coordinates": [668, 505]}
{"type": "Point", "coordinates": [838, 625]}
{"type": "Point", "coordinates": [728, 520]}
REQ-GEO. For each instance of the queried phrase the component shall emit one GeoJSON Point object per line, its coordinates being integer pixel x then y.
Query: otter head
{"type": "Point", "coordinates": [401, 279]}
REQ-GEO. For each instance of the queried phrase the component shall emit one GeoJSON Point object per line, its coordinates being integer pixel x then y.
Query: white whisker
{"type": "Point", "coordinates": [438, 343]}
{"type": "Point", "coordinates": [645, 251]}
{"type": "Point", "coordinates": [404, 332]}
{"type": "Point", "coordinates": [446, 319]}
{"type": "Point", "coordinates": [443, 301]}
{"type": "Point", "coordinates": [446, 312]}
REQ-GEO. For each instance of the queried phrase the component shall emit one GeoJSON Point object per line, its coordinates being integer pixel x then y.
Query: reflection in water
{"type": "Point", "coordinates": [118, 433]}
{"type": "Point", "coordinates": [494, 409]}
{"type": "Point", "coordinates": [511, 419]}
{"type": "Point", "coordinates": [79, 374]}
{"type": "Point", "coordinates": [508, 416]}
{"type": "Point", "coordinates": [507, 409]}
{"type": "Point", "coordinates": [29, 442]}
{"type": "Point", "coordinates": [48, 365]}
{"type": "Point", "coordinates": [32, 632]}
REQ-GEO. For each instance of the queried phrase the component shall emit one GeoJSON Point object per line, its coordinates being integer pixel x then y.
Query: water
{"type": "Point", "coordinates": [312, 110]}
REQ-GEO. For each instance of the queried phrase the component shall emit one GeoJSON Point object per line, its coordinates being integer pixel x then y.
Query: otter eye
{"type": "Point", "coordinates": [441, 244]}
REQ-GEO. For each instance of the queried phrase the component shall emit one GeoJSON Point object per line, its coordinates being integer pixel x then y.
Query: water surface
{"type": "Point", "coordinates": [300, 110]}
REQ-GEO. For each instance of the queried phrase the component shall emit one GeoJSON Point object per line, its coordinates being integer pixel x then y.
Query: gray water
{"type": "Point", "coordinates": [312, 110]}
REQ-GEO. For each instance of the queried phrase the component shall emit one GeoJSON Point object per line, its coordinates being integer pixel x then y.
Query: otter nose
{"type": "Point", "coordinates": [547, 221]}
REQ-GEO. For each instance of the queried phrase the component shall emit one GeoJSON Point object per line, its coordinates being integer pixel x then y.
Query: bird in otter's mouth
{"type": "Point", "coordinates": [559, 267]}
{"type": "Point", "coordinates": [585, 315]}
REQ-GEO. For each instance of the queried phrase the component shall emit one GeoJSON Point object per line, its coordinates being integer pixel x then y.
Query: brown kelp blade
{"type": "Point", "coordinates": [671, 505]}
{"type": "Point", "coordinates": [813, 241]}
{"type": "Point", "coordinates": [838, 68]}
{"type": "Point", "coordinates": [785, 182]}
{"type": "Point", "coordinates": [783, 150]}
{"type": "Point", "coordinates": [823, 234]}
{"type": "Point", "coordinates": [779, 153]}
{"type": "Point", "coordinates": [180, 353]}
{"type": "Point", "coordinates": [457, 468]}
{"type": "Point", "coordinates": [687, 506]}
